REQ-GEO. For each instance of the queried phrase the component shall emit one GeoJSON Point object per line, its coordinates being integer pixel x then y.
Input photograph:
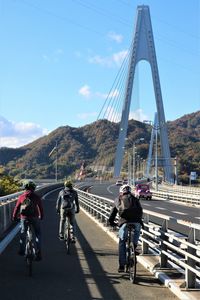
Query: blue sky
{"type": "Point", "coordinates": [59, 59]}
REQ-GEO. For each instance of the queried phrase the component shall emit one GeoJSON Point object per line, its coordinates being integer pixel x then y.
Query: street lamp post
{"type": "Point", "coordinates": [129, 168]}
{"type": "Point", "coordinates": [134, 152]}
{"type": "Point", "coordinates": [133, 164]}
{"type": "Point", "coordinates": [175, 171]}
{"type": "Point", "coordinates": [56, 173]}
{"type": "Point", "coordinates": [155, 128]}
{"type": "Point", "coordinates": [156, 159]}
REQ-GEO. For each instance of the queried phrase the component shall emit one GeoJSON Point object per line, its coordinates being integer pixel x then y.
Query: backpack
{"type": "Point", "coordinates": [27, 207]}
{"type": "Point", "coordinates": [129, 208]}
{"type": "Point", "coordinates": [67, 200]}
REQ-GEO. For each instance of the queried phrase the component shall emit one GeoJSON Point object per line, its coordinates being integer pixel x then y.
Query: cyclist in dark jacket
{"type": "Point", "coordinates": [67, 212]}
{"type": "Point", "coordinates": [130, 210]}
{"type": "Point", "coordinates": [33, 218]}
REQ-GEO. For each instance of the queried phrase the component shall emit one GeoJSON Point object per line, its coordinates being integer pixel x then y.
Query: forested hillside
{"type": "Point", "coordinates": [95, 144]}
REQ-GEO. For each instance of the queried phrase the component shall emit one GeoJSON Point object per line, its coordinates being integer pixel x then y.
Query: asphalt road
{"type": "Point", "coordinates": [89, 272]}
{"type": "Point", "coordinates": [177, 210]}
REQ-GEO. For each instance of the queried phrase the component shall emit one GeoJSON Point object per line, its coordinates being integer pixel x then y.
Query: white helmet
{"type": "Point", "coordinates": [125, 189]}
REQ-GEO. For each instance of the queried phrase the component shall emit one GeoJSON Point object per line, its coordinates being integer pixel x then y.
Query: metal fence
{"type": "Point", "coordinates": [172, 248]}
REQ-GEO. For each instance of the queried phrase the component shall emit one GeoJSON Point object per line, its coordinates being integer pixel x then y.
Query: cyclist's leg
{"type": "Point", "coordinates": [62, 223]}
{"type": "Point", "coordinates": [123, 231]}
{"type": "Point", "coordinates": [22, 240]}
{"type": "Point", "coordinates": [72, 222]}
{"type": "Point", "coordinates": [137, 228]}
{"type": "Point", "coordinates": [36, 226]}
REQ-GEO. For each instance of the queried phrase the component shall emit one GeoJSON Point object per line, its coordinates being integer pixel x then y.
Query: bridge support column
{"type": "Point", "coordinates": [190, 277]}
{"type": "Point", "coordinates": [163, 257]}
{"type": "Point", "coordinates": [145, 246]}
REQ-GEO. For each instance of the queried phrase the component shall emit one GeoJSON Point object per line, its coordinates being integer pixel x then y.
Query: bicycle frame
{"type": "Point", "coordinates": [30, 252]}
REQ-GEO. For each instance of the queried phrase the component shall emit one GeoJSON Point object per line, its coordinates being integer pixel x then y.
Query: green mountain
{"type": "Point", "coordinates": [95, 144]}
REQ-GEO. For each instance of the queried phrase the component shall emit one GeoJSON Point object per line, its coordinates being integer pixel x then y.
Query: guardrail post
{"type": "Point", "coordinates": [163, 237]}
{"type": "Point", "coordinates": [145, 246]}
{"type": "Point", "coordinates": [190, 277]}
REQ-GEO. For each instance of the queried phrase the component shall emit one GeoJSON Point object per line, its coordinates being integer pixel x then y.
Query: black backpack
{"type": "Point", "coordinates": [27, 207]}
{"type": "Point", "coordinates": [67, 200]}
{"type": "Point", "coordinates": [129, 208]}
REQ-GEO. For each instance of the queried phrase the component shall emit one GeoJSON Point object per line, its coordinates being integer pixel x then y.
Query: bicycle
{"type": "Point", "coordinates": [67, 235]}
{"type": "Point", "coordinates": [131, 254]}
{"type": "Point", "coordinates": [30, 252]}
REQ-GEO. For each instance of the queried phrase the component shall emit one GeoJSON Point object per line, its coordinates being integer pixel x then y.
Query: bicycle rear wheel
{"type": "Point", "coordinates": [67, 238]}
{"type": "Point", "coordinates": [29, 259]}
{"type": "Point", "coordinates": [132, 265]}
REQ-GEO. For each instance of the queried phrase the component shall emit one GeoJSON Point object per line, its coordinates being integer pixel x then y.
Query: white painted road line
{"type": "Point", "coordinates": [180, 213]}
{"type": "Point", "coordinates": [161, 208]}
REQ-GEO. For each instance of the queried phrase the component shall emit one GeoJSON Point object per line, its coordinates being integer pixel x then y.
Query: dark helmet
{"type": "Point", "coordinates": [68, 184]}
{"type": "Point", "coordinates": [124, 189]}
{"type": "Point", "coordinates": [29, 185]}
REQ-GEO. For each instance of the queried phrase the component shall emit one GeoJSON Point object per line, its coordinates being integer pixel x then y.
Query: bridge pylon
{"type": "Point", "coordinates": [143, 48]}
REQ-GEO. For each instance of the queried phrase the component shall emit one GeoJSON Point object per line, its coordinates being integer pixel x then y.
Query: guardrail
{"type": "Point", "coordinates": [171, 247]}
{"type": "Point", "coordinates": [187, 198]}
{"type": "Point", "coordinates": [7, 204]}
{"type": "Point", "coordinates": [180, 189]}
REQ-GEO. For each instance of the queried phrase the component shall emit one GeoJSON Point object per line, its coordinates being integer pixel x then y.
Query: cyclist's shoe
{"type": "Point", "coordinates": [61, 237]}
{"type": "Point", "coordinates": [38, 256]}
{"type": "Point", "coordinates": [73, 239]}
{"type": "Point", "coordinates": [136, 250]}
{"type": "Point", "coordinates": [121, 269]}
{"type": "Point", "coordinates": [21, 253]}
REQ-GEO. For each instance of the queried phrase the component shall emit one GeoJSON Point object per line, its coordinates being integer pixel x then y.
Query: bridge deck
{"type": "Point", "coordinates": [89, 272]}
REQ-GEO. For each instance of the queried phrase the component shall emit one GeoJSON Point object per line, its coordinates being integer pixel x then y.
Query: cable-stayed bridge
{"type": "Point", "coordinates": [169, 264]}
{"type": "Point", "coordinates": [117, 105]}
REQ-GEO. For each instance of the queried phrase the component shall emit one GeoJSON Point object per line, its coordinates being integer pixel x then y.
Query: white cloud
{"type": "Point", "coordinates": [103, 61]}
{"type": "Point", "coordinates": [14, 134]}
{"type": "Point", "coordinates": [119, 57]}
{"type": "Point", "coordinates": [109, 61]}
{"type": "Point", "coordinates": [138, 115]}
{"type": "Point", "coordinates": [85, 91]}
{"type": "Point", "coordinates": [115, 37]}
{"type": "Point", "coordinates": [112, 94]}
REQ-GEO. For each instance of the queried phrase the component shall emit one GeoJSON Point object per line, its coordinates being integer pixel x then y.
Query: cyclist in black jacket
{"type": "Point", "coordinates": [130, 210]}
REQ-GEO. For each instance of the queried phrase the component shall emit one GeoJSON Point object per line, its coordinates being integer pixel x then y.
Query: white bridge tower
{"type": "Point", "coordinates": [144, 49]}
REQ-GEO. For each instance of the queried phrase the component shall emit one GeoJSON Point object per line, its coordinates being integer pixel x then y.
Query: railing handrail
{"type": "Point", "coordinates": [157, 238]}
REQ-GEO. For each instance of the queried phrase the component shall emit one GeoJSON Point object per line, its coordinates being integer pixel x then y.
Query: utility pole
{"type": "Point", "coordinates": [56, 173]}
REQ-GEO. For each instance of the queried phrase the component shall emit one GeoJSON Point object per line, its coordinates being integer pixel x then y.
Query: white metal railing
{"type": "Point", "coordinates": [7, 204]}
{"type": "Point", "coordinates": [180, 189]}
{"type": "Point", "coordinates": [171, 247]}
{"type": "Point", "coordinates": [182, 197]}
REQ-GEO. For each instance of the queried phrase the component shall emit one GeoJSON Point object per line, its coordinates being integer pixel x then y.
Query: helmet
{"type": "Point", "coordinates": [68, 184]}
{"type": "Point", "coordinates": [125, 189]}
{"type": "Point", "coordinates": [29, 185]}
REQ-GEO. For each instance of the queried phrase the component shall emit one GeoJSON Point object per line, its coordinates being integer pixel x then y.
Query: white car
{"type": "Point", "coordinates": [119, 182]}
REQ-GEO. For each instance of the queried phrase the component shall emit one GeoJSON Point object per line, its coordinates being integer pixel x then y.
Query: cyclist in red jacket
{"type": "Point", "coordinates": [31, 212]}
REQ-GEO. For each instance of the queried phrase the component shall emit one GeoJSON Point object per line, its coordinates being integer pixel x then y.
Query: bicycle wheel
{"type": "Point", "coordinates": [132, 264]}
{"type": "Point", "coordinates": [67, 238]}
{"type": "Point", "coordinates": [29, 258]}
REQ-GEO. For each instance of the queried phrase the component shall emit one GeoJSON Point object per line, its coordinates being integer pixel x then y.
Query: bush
{"type": "Point", "coordinates": [8, 185]}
